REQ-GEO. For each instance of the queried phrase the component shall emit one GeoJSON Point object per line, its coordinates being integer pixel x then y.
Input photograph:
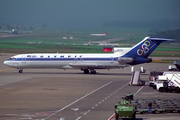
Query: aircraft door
{"type": "Point", "coordinates": [78, 59]}
{"type": "Point", "coordinates": [23, 59]}
{"type": "Point", "coordinates": [111, 59]}
{"type": "Point", "coordinates": [81, 59]}
{"type": "Point", "coordinates": [75, 59]}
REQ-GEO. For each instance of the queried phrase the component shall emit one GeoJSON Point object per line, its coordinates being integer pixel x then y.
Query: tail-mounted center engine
{"type": "Point", "coordinates": [133, 61]}
{"type": "Point", "coordinates": [126, 60]}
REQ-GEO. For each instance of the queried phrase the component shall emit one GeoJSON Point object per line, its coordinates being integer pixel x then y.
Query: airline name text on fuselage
{"type": "Point", "coordinates": [54, 56]}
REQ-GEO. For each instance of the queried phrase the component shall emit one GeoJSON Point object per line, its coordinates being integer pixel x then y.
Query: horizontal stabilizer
{"type": "Point", "coordinates": [161, 39]}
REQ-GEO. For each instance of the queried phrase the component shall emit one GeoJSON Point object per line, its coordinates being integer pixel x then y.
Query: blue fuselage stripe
{"type": "Point", "coordinates": [64, 59]}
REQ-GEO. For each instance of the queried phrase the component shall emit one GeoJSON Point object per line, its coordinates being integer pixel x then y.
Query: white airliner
{"type": "Point", "coordinates": [88, 44]}
{"type": "Point", "coordinates": [16, 30]}
{"type": "Point", "coordinates": [99, 35]}
{"type": "Point", "coordinates": [88, 62]}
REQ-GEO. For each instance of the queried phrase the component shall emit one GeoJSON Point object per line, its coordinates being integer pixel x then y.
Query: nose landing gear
{"type": "Point", "coordinates": [20, 70]}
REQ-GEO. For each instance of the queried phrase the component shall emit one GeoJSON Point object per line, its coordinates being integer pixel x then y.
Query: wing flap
{"type": "Point", "coordinates": [95, 66]}
{"type": "Point", "coordinates": [84, 65]}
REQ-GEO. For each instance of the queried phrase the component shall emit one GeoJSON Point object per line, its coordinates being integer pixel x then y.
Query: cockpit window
{"type": "Point", "coordinates": [13, 58]}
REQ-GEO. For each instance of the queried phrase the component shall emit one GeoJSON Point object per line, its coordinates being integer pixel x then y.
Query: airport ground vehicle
{"type": "Point", "coordinates": [172, 68]}
{"type": "Point", "coordinates": [168, 81]}
{"type": "Point", "coordinates": [125, 108]}
{"type": "Point", "coordinates": [173, 83]}
{"type": "Point", "coordinates": [177, 64]}
{"type": "Point", "coordinates": [135, 78]}
{"type": "Point", "coordinates": [153, 78]}
{"type": "Point", "coordinates": [162, 83]}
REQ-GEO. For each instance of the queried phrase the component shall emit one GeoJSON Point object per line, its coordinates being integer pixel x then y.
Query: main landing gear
{"type": "Point", "coordinates": [86, 71]}
{"type": "Point", "coordinates": [92, 71]}
{"type": "Point", "coordinates": [20, 70]}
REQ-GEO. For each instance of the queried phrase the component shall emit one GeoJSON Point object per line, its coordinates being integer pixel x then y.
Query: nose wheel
{"type": "Point", "coordinates": [20, 70]}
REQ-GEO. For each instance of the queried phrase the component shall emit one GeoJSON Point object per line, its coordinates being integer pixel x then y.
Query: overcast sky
{"type": "Point", "coordinates": [85, 13]}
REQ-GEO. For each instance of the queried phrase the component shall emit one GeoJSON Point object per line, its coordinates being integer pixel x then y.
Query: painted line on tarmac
{"type": "Point", "coordinates": [57, 111]}
{"type": "Point", "coordinates": [112, 116]}
{"type": "Point", "coordinates": [102, 101]}
{"type": "Point", "coordinates": [1, 70]}
{"type": "Point", "coordinates": [139, 90]}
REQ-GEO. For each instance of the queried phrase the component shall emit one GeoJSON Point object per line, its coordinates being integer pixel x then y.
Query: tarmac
{"type": "Point", "coordinates": [55, 94]}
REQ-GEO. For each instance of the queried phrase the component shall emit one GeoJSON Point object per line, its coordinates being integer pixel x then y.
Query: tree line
{"type": "Point", "coordinates": [172, 34]}
{"type": "Point", "coordinates": [4, 26]}
{"type": "Point", "coordinates": [158, 24]}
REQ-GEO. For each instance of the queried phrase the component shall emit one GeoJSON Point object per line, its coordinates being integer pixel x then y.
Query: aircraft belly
{"type": "Point", "coordinates": [38, 64]}
{"type": "Point", "coordinates": [94, 65]}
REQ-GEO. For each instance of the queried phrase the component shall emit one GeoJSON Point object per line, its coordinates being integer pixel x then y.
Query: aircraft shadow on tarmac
{"type": "Point", "coordinates": [118, 74]}
{"type": "Point", "coordinates": [130, 119]}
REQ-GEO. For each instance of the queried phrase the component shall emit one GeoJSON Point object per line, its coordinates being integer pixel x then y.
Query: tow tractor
{"type": "Point", "coordinates": [153, 78]}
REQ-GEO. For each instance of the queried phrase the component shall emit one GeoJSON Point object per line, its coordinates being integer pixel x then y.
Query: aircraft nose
{"type": "Point", "coordinates": [5, 63]}
{"type": "Point", "coordinates": [8, 63]}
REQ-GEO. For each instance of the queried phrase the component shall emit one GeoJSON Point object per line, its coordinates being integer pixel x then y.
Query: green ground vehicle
{"type": "Point", "coordinates": [125, 108]}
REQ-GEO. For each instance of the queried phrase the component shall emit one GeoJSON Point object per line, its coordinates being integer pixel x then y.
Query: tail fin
{"type": "Point", "coordinates": [145, 47]}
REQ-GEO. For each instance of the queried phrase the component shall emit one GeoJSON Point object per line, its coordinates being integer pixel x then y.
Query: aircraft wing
{"type": "Point", "coordinates": [95, 66]}
{"type": "Point", "coordinates": [85, 65]}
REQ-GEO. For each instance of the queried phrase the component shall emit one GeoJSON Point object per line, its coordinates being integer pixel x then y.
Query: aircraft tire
{"type": "Point", "coordinates": [86, 71]}
{"type": "Point", "coordinates": [93, 72]}
{"type": "Point", "coordinates": [161, 89]}
{"type": "Point", "coordinates": [20, 71]}
{"type": "Point", "coordinates": [134, 116]}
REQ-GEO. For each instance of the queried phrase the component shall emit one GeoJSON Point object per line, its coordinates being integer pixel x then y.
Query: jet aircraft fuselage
{"type": "Point", "coordinates": [88, 62]}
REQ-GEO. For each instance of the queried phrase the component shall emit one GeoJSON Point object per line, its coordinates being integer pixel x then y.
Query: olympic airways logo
{"type": "Point", "coordinates": [143, 50]}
